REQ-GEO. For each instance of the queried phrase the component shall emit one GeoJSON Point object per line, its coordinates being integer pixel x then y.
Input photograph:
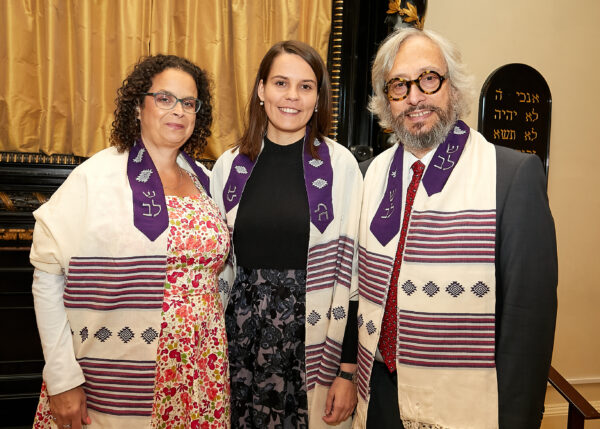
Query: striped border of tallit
{"type": "Point", "coordinates": [119, 387]}
{"type": "Point", "coordinates": [113, 283]}
{"type": "Point", "coordinates": [373, 275]}
{"type": "Point", "coordinates": [446, 339]}
{"type": "Point", "coordinates": [466, 236]}
{"type": "Point", "coordinates": [322, 362]}
{"type": "Point", "coordinates": [364, 360]}
{"type": "Point", "coordinates": [328, 263]}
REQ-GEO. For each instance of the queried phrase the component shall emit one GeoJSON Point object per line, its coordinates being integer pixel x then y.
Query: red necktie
{"type": "Point", "coordinates": [387, 340]}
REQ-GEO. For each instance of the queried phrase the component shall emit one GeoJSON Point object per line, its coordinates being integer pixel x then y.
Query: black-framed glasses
{"type": "Point", "coordinates": [167, 101]}
{"type": "Point", "coordinates": [429, 82]}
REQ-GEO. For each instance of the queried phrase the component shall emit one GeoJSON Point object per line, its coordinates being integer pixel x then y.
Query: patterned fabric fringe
{"type": "Point", "coordinates": [411, 424]}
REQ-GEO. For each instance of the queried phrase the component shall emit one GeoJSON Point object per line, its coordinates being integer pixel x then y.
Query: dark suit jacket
{"type": "Point", "coordinates": [526, 281]}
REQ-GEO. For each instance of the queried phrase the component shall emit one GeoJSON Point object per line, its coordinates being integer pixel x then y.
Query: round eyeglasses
{"type": "Point", "coordinates": [167, 101]}
{"type": "Point", "coordinates": [429, 82]}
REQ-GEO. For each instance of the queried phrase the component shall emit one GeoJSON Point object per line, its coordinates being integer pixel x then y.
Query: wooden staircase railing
{"type": "Point", "coordinates": [580, 409]}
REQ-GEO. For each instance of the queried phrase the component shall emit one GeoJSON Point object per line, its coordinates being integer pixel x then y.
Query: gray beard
{"type": "Point", "coordinates": [427, 140]}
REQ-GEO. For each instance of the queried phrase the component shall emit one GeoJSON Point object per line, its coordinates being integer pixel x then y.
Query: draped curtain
{"type": "Point", "coordinates": [63, 61]}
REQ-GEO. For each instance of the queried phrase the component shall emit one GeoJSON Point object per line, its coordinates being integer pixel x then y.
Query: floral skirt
{"type": "Point", "coordinates": [265, 328]}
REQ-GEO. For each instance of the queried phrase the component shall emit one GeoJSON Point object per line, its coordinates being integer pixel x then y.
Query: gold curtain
{"type": "Point", "coordinates": [65, 59]}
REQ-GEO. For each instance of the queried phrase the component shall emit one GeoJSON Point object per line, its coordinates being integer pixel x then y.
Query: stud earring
{"type": "Point", "coordinates": [261, 103]}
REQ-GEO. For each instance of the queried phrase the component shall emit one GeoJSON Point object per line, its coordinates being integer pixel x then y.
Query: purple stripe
{"type": "Point", "coordinates": [372, 275]}
{"type": "Point", "coordinates": [321, 254]}
{"type": "Point", "coordinates": [447, 364]}
{"type": "Point", "coordinates": [115, 307]}
{"type": "Point", "coordinates": [372, 295]}
{"type": "Point", "coordinates": [449, 327]}
{"type": "Point", "coordinates": [319, 267]}
{"type": "Point", "coordinates": [91, 294]}
{"type": "Point", "coordinates": [378, 279]}
{"type": "Point", "coordinates": [453, 231]}
{"type": "Point", "coordinates": [138, 385]}
{"type": "Point", "coordinates": [416, 244]}
{"type": "Point", "coordinates": [417, 340]}
{"type": "Point", "coordinates": [483, 238]}
{"type": "Point", "coordinates": [450, 260]}
{"type": "Point", "coordinates": [445, 334]}
{"type": "Point", "coordinates": [452, 224]}
{"type": "Point", "coordinates": [111, 386]}
{"type": "Point", "coordinates": [150, 258]}
{"type": "Point", "coordinates": [365, 360]}
{"type": "Point", "coordinates": [323, 246]}
{"type": "Point", "coordinates": [124, 297]}
{"type": "Point", "coordinates": [374, 259]}
{"type": "Point", "coordinates": [446, 349]}
{"type": "Point", "coordinates": [450, 252]}
{"type": "Point", "coordinates": [446, 339]}
{"type": "Point", "coordinates": [144, 287]}
{"type": "Point", "coordinates": [149, 265]}
{"type": "Point", "coordinates": [118, 271]}
{"type": "Point", "coordinates": [461, 212]}
{"type": "Point", "coordinates": [315, 348]}
{"type": "Point", "coordinates": [120, 278]}
{"type": "Point", "coordinates": [329, 275]}
{"type": "Point", "coordinates": [450, 315]}
{"type": "Point", "coordinates": [448, 318]}
{"type": "Point", "coordinates": [439, 356]}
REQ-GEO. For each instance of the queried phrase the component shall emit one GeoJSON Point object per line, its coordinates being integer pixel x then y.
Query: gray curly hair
{"type": "Point", "coordinates": [459, 78]}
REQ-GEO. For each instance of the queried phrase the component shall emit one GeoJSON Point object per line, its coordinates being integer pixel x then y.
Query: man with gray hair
{"type": "Point", "coordinates": [457, 258]}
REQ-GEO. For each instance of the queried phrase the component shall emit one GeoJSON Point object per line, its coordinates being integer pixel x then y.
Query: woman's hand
{"type": "Point", "coordinates": [69, 409]}
{"type": "Point", "coordinates": [341, 398]}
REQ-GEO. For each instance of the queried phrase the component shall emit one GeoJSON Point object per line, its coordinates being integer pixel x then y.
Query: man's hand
{"type": "Point", "coordinates": [69, 409]}
{"type": "Point", "coordinates": [341, 398]}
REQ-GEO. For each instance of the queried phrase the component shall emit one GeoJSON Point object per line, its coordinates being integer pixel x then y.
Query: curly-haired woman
{"type": "Point", "coordinates": [127, 253]}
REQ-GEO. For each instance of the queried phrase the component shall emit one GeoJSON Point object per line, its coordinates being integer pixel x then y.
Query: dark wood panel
{"type": "Point", "coordinates": [26, 181]}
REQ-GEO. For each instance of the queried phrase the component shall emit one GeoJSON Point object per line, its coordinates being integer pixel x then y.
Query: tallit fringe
{"type": "Point", "coordinates": [411, 424]}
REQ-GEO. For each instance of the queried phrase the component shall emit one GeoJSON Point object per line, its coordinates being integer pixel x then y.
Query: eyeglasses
{"type": "Point", "coordinates": [429, 82]}
{"type": "Point", "coordinates": [167, 101]}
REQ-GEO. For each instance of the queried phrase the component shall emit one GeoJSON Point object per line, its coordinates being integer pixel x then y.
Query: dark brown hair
{"type": "Point", "coordinates": [320, 121]}
{"type": "Point", "coordinates": [126, 128]}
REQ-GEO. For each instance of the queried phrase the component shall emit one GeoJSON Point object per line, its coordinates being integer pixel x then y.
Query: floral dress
{"type": "Point", "coordinates": [192, 379]}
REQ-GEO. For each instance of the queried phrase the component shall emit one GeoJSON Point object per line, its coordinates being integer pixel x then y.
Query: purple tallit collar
{"type": "Point", "coordinates": [149, 205]}
{"type": "Point", "coordinates": [318, 179]}
{"type": "Point", "coordinates": [386, 222]}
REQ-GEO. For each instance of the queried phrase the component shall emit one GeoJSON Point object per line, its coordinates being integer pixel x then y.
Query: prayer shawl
{"type": "Point", "coordinates": [334, 188]}
{"type": "Point", "coordinates": [86, 232]}
{"type": "Point", "coordinates": [446, 287]}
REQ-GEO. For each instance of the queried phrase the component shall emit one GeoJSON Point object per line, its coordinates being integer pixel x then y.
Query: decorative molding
{"type": "Point", "coordinates": [334, 62]}
{"type": "Point", "coordinates": [16, 234]}
{"type": "Point", "coordinates": [586, 380]}
{"type": "Point", "coordinates": [39, 158]}
{"type": "Point", "coordinates": [581, 381]}
{"type": "Point", "coordinates": [562, 409]}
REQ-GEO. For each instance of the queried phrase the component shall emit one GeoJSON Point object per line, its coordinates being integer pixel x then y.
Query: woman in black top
{"type": "Point", "coordinates": [275, 366]}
